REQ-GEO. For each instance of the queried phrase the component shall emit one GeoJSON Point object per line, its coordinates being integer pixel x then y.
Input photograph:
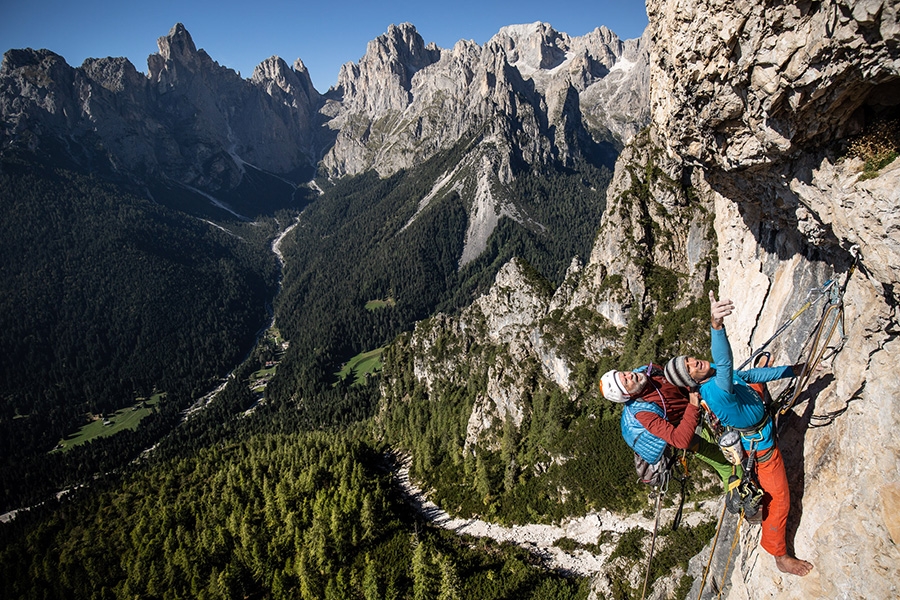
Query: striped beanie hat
{"type": "Point", "coordinates": [676, 372]}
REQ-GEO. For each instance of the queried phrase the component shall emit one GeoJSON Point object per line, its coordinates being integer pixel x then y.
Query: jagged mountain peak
{"type": "Point", "coordinates": [272, 67]}
{"type": "Point", "coordinates": [382, 79]}
{"type": "Point", "coordinates": [177, 45]}
{"type": "Point", "coordinates": [537, 46]}
{"type": "Point", "coordinates": [17, 59]}
{"type": "Point", "coordinates": [295, 84]}
{"type": "Point", "coordinates": [419, 99]}
{"type": "Point", "coordinates": [405, 41]}
{"type": "Point", "coordinates": [299, 67]}
{"type": "Point", "coordinates": [534, 46]}
{"type": "Point", "coordinates": [178, 56]}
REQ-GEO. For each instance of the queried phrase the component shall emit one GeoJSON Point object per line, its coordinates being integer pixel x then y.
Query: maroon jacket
{"type": "Point", "coordinates": [677, 428]}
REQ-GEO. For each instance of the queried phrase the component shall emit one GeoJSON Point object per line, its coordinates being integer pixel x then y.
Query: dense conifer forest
{"type": "Point", "coordinates": [107, 296]}
{"type": "Point", "coordinates": [303, 515]}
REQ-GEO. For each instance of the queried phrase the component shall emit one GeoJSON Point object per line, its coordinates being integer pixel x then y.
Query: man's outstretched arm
{"type": "Point", "coordinates": [719, 346]}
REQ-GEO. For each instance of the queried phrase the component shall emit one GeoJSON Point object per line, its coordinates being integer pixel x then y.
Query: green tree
{"type": "Point", "coordinates": [450, 584]}
{"type": "Point", "coordinates": [370, 584]}
{"type": "Point", "coordinates": [423, 582]}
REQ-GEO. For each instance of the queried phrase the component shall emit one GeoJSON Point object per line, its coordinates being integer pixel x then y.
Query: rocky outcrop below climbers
{"type": "Point", "coordinates": [547, 541]}
{"type": "Point", "coordinates": [504, 324]}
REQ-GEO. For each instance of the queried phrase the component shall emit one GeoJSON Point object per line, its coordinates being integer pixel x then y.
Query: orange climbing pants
{"type": "Point", "coordinates": [776, 503]}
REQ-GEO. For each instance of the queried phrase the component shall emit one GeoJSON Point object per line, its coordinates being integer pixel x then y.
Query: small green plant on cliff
{"type": "Point", "coordinates": [877, 146]}
{"type": "Point", "coordinates": [631, 545]}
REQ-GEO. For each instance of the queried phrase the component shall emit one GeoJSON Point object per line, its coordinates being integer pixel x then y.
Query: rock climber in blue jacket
{"type": "Point", "coordinates": [728, 396]}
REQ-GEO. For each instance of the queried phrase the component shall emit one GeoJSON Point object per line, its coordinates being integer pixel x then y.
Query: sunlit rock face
{"type": "Point", "coordinates": [526, 92]}
{"type": "Point", "coordinates": [761, 99]}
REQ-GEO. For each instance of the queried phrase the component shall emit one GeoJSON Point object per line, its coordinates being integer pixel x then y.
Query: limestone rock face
{"type": "Point", "coordinates": [757, 101]}
{"type": "Point", "coordinates": [739, 84]}
{"type": "Point", "coordinates": [521, 92]}
{"type": "Point", "coordinates": [383, 78]}
{"type": "Point", "coordinates": [648, 221]}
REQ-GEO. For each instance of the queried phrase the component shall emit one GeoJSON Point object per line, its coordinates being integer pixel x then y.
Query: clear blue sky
{"type": "Point", "coordinates": [324, 34]}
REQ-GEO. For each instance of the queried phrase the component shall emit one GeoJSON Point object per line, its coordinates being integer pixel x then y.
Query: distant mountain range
{"type": "Point", "coordinates": [480, 153]}
{"type": "Point", "coordinates": [531, 92]}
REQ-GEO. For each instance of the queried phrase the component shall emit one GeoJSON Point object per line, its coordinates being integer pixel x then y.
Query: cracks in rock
{"type": "Point", "coordinates": [826, 419]}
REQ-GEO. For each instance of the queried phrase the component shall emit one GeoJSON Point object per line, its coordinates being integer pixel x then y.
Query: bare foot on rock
{"type": "Point", "coordinates": [794, 566]}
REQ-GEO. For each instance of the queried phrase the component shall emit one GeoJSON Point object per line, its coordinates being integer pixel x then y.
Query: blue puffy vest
{"type": "Point", "coordinates": [647, 445]}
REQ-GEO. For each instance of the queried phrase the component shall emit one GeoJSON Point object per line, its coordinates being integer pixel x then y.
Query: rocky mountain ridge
{"type": "Point", "coordinates": [528, 82]}
{"type": "Point", "coordinates": [189, 120]}
{"type": "Point", "coordinates": [529, 98]}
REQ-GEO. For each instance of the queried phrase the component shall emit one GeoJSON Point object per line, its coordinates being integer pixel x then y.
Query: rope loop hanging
{"type": "Point", "coordinates": [829, 289]}
{"type": "Point", "coordinates": [659, 496]}
{"type": "Point", "coordinates": [817, 345]}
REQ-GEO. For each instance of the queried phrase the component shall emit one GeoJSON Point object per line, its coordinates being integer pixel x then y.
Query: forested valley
{"type": "Point", "coordinates": [111, 295]}
{"type": "Point", "coordinates": [108, 296]}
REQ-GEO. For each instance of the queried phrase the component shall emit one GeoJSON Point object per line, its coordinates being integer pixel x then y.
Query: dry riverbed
{"type": "Point", "coordinates": [540, 539]}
